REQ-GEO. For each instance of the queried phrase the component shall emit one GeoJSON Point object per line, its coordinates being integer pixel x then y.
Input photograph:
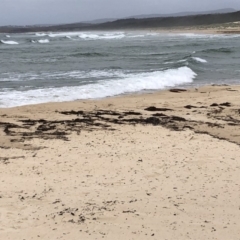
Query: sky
{"type": "Point", "coordinates": [30, 12]}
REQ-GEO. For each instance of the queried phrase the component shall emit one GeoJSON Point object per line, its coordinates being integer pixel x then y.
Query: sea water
{"type": "Point", "coordinates": [67, 66]}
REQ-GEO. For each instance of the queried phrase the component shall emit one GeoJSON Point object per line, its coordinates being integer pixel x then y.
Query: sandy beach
{"type": "Point", "coordinates": [162, 165]}
{"type": "Point", "coordinates": [224, 28]}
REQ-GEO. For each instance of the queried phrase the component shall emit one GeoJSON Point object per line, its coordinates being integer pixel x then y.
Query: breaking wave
{"type": "Point", "coordinates": [86, 35]}
{"type": "Point", "coordinates": [9, 42]}
{"type": "Point", "coordinates": [107, 36]}
{"type": "Point", "coordinates": [201, 60]}
{"type": "Point", "coordinates": [43, 41]}
{"type": "Point", "coordinates": [64, 34]}
{"type": "Point", "coordinates": [124, 83]}
{"type": "Point", "coordinates": [41, 34]}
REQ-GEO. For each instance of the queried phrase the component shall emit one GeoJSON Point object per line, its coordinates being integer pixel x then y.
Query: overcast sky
{"type": "Point", "coordinates": [28, 12]}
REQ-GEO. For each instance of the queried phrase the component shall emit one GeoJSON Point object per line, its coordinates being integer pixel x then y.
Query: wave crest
{"type": "Point", "coordinates": [9, 42]}
{"type": "Point", "coordinates": [198, 59]}
{"type": "Point", "coordinates": [105, 36]}
{"type": "Point", "coordinates": [43, 41]}
{"type": "Point", "coordinates": [123, 83]}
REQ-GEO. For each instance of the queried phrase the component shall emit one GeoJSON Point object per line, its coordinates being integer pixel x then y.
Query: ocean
{"type": "Point", "coordinates": [67, 66]}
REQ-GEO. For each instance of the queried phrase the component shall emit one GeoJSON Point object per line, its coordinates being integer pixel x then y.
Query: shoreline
{"type": "Point", "coordinates": [143, 93]}
{"type": "Point", "coordinates": [209, 116]}
{"type": "Point", "coordinates": [123, 95]}
{"type": "Point", "coordinates": [220, 29]}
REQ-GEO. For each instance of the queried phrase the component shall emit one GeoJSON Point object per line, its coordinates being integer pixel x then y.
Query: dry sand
{"type": "Point", "coordinates": [225, 28]}
{"type": "Point", "coordinates": [110, 169]}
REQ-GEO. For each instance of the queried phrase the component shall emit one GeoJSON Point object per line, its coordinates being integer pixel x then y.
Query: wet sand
{"type": "Point", "coordinates": [162, 165]}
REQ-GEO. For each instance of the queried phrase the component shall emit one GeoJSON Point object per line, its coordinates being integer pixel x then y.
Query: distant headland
{"type": "Point", "coordinates": [137, 22]}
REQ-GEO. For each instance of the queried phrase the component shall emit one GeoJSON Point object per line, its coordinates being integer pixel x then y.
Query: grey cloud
{"type": "Point", "coordinates": [27, 12]}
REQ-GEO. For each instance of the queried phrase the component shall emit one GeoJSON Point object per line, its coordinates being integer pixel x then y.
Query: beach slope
{"type": "Point", "coordinates": [161, 165]}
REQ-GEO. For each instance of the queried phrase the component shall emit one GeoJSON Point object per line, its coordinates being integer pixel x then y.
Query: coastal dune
{"type": "Point", "coordinates": [162, 165]}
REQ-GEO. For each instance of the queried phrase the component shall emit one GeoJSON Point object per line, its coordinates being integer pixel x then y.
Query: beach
{"type": "Point", "coordinates": [156, 165]}
{"type": "Point", "coordinates": [224, 28]}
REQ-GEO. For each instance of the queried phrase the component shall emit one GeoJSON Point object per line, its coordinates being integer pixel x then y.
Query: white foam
{"type": "Point", "coordinates": [7, 36]}
{"type": "Point", "coordinates": [136, 36]}
{"type": "Point", "coordinates": [102, 36]}
{"type": "Point", "coordinates": [9, 42]}
{"type": "Point", "coordinates": [180, 61]}
{"type": "Point", "coordinates": [152, 34]}
{"type": "Point", "coordinates": [43, 41]}
{"type": "Point", "coordinates": [89, 35]}
{"type": "Point", "coordinates": [95, 35]}
{"type": "Point", "coordinates": [183, 60]}
{"type": "Point", "coordinates": [104, 88]}
{"type": "Point", "coordinates": [41, 34]}
{"type": "Point", "coordinates": [64, 34]}
{"type": "Point", "coordinates": [201, 60]}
